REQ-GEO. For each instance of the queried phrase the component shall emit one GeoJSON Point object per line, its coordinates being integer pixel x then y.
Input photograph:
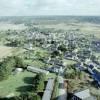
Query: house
{"type": "Point", "coordinates": [92, 67]}
{"type": "Point", "coordinates": [68, 55]}
{"type": "Point", "coordinates": [28, 46]}
{"type": "Point", "coordinates": [83, 95]}
{"type": "Point", "coordinates": [80, 67]}
{"type": "Point", "coordinates": [96, 77]}
{"type": "Point", "coordinates": [96, 45]}
{"type": "Point", "coordinates": [56, 69]}
{"type": "Point", "coordinates": [95, 73]}
{"type": "Point", "coordinates": [54, 61]}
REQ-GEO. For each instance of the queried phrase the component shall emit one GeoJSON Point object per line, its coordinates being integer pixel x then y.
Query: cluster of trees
{"type": "Point", "coordinates": [62, 48]}
{"type": "Point", "coordinates": [8, 64]}
{"type": "Point", "coordinates": [24, 96]}
{"type": "Point", "coordinates": [14, 43]}
{"type": "Point", "coordinates": [55, 54]}
{"type": "Point", "coordinates": [72, 73]}
{"type": "Point", "coordinates": [39, 82]}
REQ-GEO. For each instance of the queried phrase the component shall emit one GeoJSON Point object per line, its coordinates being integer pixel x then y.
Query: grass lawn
{"type": "Point", "coordinates": [69, 62]}
{"type": "Point", "coordinates": [15, 84]}
{"type": "Point", "coordinates": [50, 75]}
{"type": "Point", "coordinates": [35, 63]}
{"type": "Point", "coordinates": [41, 51]}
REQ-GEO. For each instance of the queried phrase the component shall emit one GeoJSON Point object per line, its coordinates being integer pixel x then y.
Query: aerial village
{"type": "Point", "coordinates": [50, 66]}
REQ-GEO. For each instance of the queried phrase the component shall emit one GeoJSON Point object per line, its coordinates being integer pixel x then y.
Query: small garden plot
{"type": "Point", "coordinates": [16, 84]}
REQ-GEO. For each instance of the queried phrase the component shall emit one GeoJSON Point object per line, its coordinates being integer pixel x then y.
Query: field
{"type": "Point", "coordinates": [6, 26]}
{"type": "Point", "coordinates": [85, 28]}
{"type": "Point", "coordinates": [16, 84]}
{"type": "Point", "coordinates": [8, 51]}
{"type": "Point", "coordinates": [5, 51]}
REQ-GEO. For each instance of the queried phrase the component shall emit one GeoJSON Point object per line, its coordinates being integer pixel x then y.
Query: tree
{"type": "Point", "coordinates": [62, 48]}
{"type": "Point", "coordinates": [39, 82]}
{"type": "Point", "coordinates": [19, 62]}
{"type": "Point", "coordinates": [6, 68]}
{"type": "Point", "coordinates": [55, 53]}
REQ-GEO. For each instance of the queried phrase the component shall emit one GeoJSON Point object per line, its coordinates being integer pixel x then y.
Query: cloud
{"type": "Point", "coordinates": [49, 7]}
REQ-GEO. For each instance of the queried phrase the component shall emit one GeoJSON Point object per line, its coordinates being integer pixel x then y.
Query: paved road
{"type": "Point", "coordinates": [62, 91]}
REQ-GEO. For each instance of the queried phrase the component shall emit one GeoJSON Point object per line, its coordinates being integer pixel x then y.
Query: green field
{"type": "Point", "coordinates": [16, 83]}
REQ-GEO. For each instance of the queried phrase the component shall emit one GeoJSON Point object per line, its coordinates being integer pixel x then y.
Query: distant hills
{"type": "Point", "coordinates": [52, 19]}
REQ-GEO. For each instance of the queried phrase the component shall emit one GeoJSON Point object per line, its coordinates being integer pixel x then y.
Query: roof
{"type": "Point", "coordinates": [47, 95]}
{"type": "Point", "coordinates": [96, 77]}
{"type": "Point", "coordinates": [33, 69]}
{"type": "Point", "coordinates": [48, 91]}
{"type": "Point", "coordinates": [83, 94]}
{"type": "Point", "coordinates": [50, 84]}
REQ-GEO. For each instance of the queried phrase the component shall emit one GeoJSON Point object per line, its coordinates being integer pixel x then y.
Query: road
{"type": "Point", "coordinates": [62, 91]}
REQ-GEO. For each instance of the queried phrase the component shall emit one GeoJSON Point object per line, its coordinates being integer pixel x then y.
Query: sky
{"type": "Point", "coordinates": [49, 7]}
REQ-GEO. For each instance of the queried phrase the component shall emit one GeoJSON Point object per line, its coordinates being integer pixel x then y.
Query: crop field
{"type": "Point", "coordinates": [6, 26]}
{"type": "Point", "coordinates": [85, 28]}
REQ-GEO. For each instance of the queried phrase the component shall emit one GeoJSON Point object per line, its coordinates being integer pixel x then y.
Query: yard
{"type": "Point", "coordinates": [16, 84]}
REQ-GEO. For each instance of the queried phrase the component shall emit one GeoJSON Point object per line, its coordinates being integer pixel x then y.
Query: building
{"type": "Point", "coordinates": [83, 95]}
{"type": "Point", "coordinates": [56, 69]}
{"type": "Point", "coordinates": [49, 89]}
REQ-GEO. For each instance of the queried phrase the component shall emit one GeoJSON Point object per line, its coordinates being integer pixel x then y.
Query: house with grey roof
{"type": "Point", "coordinates": [83, 95]}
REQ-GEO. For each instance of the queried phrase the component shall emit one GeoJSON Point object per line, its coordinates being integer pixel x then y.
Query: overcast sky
{"type": "Point", "coordinates": [49, 7]}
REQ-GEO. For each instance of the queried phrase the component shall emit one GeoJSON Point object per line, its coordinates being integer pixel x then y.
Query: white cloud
{"type": "Point", "coordinates": [49, 7]}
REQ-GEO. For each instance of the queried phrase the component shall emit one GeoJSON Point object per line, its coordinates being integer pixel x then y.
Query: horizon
{"type": "Point", "coordinates": [53, 16]}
